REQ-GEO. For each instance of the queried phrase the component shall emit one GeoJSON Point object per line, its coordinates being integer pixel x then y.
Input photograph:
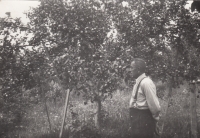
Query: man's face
{"type": "Point", "coordinates": [132, 71]}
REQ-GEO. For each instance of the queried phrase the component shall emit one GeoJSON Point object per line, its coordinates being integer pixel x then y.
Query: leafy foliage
{"type": "Point", "coordinates": [158, 32]}
{"type": "Point", "coordinates": [76, 44]}
{"type": "Point", "coordinates": [75, 40]}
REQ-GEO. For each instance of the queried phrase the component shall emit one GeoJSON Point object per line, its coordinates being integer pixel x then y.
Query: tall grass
{"type": "Point", "coordinates": [177, 120]}
{"type": "Point", "coordinates": [115, 118]}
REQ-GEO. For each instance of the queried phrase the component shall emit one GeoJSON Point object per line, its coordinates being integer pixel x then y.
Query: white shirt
{"type": "Point", "coordinates": [146, 98]}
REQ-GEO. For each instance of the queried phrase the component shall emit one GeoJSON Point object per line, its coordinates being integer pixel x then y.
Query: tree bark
{"type": "Point", "coordinates": [98, 114]}
{"type": "Point", "coordinates": [45, 104]}
{"type": "Point", "coordinates": [193, 113]}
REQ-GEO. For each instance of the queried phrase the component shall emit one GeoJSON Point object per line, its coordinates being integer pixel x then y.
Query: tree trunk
{"type": "Point", "coordinates": [98, 114]}
{"type": "Point", "coordinates": [45, 104]}
{"type": "Point", "coordinates": [193, 113]}
{"type": "Point", "coordinates": [169, 92]}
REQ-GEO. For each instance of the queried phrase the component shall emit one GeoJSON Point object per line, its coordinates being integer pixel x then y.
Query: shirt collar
{"type": "Point", "coordinates": [140, 77]}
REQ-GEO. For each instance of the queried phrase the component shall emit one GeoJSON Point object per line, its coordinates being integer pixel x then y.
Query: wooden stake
{"type": "Point", "coordinates": [64, 113]}
{"type": "Point", "coordinates": [47, 113]}
{"type": "Point", "coordinates": [97, 115]}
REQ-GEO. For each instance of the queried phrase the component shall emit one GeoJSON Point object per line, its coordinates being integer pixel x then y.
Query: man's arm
{"type": "Point", "coordinates": [149, 89]}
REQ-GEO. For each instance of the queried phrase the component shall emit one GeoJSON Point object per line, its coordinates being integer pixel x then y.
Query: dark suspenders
{"type": "Point", "coordinates": [135, 97]}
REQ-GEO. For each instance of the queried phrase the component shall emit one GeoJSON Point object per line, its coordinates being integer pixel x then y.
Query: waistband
{"type": "Point", "coordinates": [140, 110]}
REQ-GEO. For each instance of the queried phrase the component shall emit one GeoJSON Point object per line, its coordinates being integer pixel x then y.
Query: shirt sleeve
{"type": "Point", "coordinates": [149, 89]}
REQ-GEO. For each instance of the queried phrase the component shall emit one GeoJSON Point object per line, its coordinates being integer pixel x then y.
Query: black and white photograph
{"type": "Point", "coordinates": [99, 68]}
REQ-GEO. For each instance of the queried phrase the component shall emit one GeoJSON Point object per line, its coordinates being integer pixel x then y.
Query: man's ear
{"type": "Point", "coordinates": [139, 72]}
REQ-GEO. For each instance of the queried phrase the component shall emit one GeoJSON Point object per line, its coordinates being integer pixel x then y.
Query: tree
{"type": "Point", "coordinates": [23, 70]}
{"type": "Point", "coordinates": [76, 33]}
{"type": "Point", "coordinates": [15, 73]}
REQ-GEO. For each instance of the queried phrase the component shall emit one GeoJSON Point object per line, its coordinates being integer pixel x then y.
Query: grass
{"type": "Point", "coordinates": [115, 118]}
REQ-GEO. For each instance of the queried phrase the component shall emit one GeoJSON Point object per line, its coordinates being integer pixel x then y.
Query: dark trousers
{"type": "Point", "coordinates": [142, 123]}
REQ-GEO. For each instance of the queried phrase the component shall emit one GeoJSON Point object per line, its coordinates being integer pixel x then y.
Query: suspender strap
{"type": "Point", "coordinates": [135, 97]}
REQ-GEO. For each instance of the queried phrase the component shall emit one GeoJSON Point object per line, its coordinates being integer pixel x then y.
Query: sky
{"type": "Point", "coordinates": [17, 8]}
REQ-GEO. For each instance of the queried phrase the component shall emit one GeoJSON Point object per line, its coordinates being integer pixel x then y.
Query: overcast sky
{"type": "Point", "coordinates": [16, 7]}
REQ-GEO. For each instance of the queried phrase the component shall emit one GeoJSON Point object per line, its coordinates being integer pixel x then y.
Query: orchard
{"type": "Point", "coordinates": [63, 74]}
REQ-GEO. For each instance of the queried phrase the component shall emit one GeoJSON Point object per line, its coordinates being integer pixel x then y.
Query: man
{"type": "Point", "coordinates": [144, 104]}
